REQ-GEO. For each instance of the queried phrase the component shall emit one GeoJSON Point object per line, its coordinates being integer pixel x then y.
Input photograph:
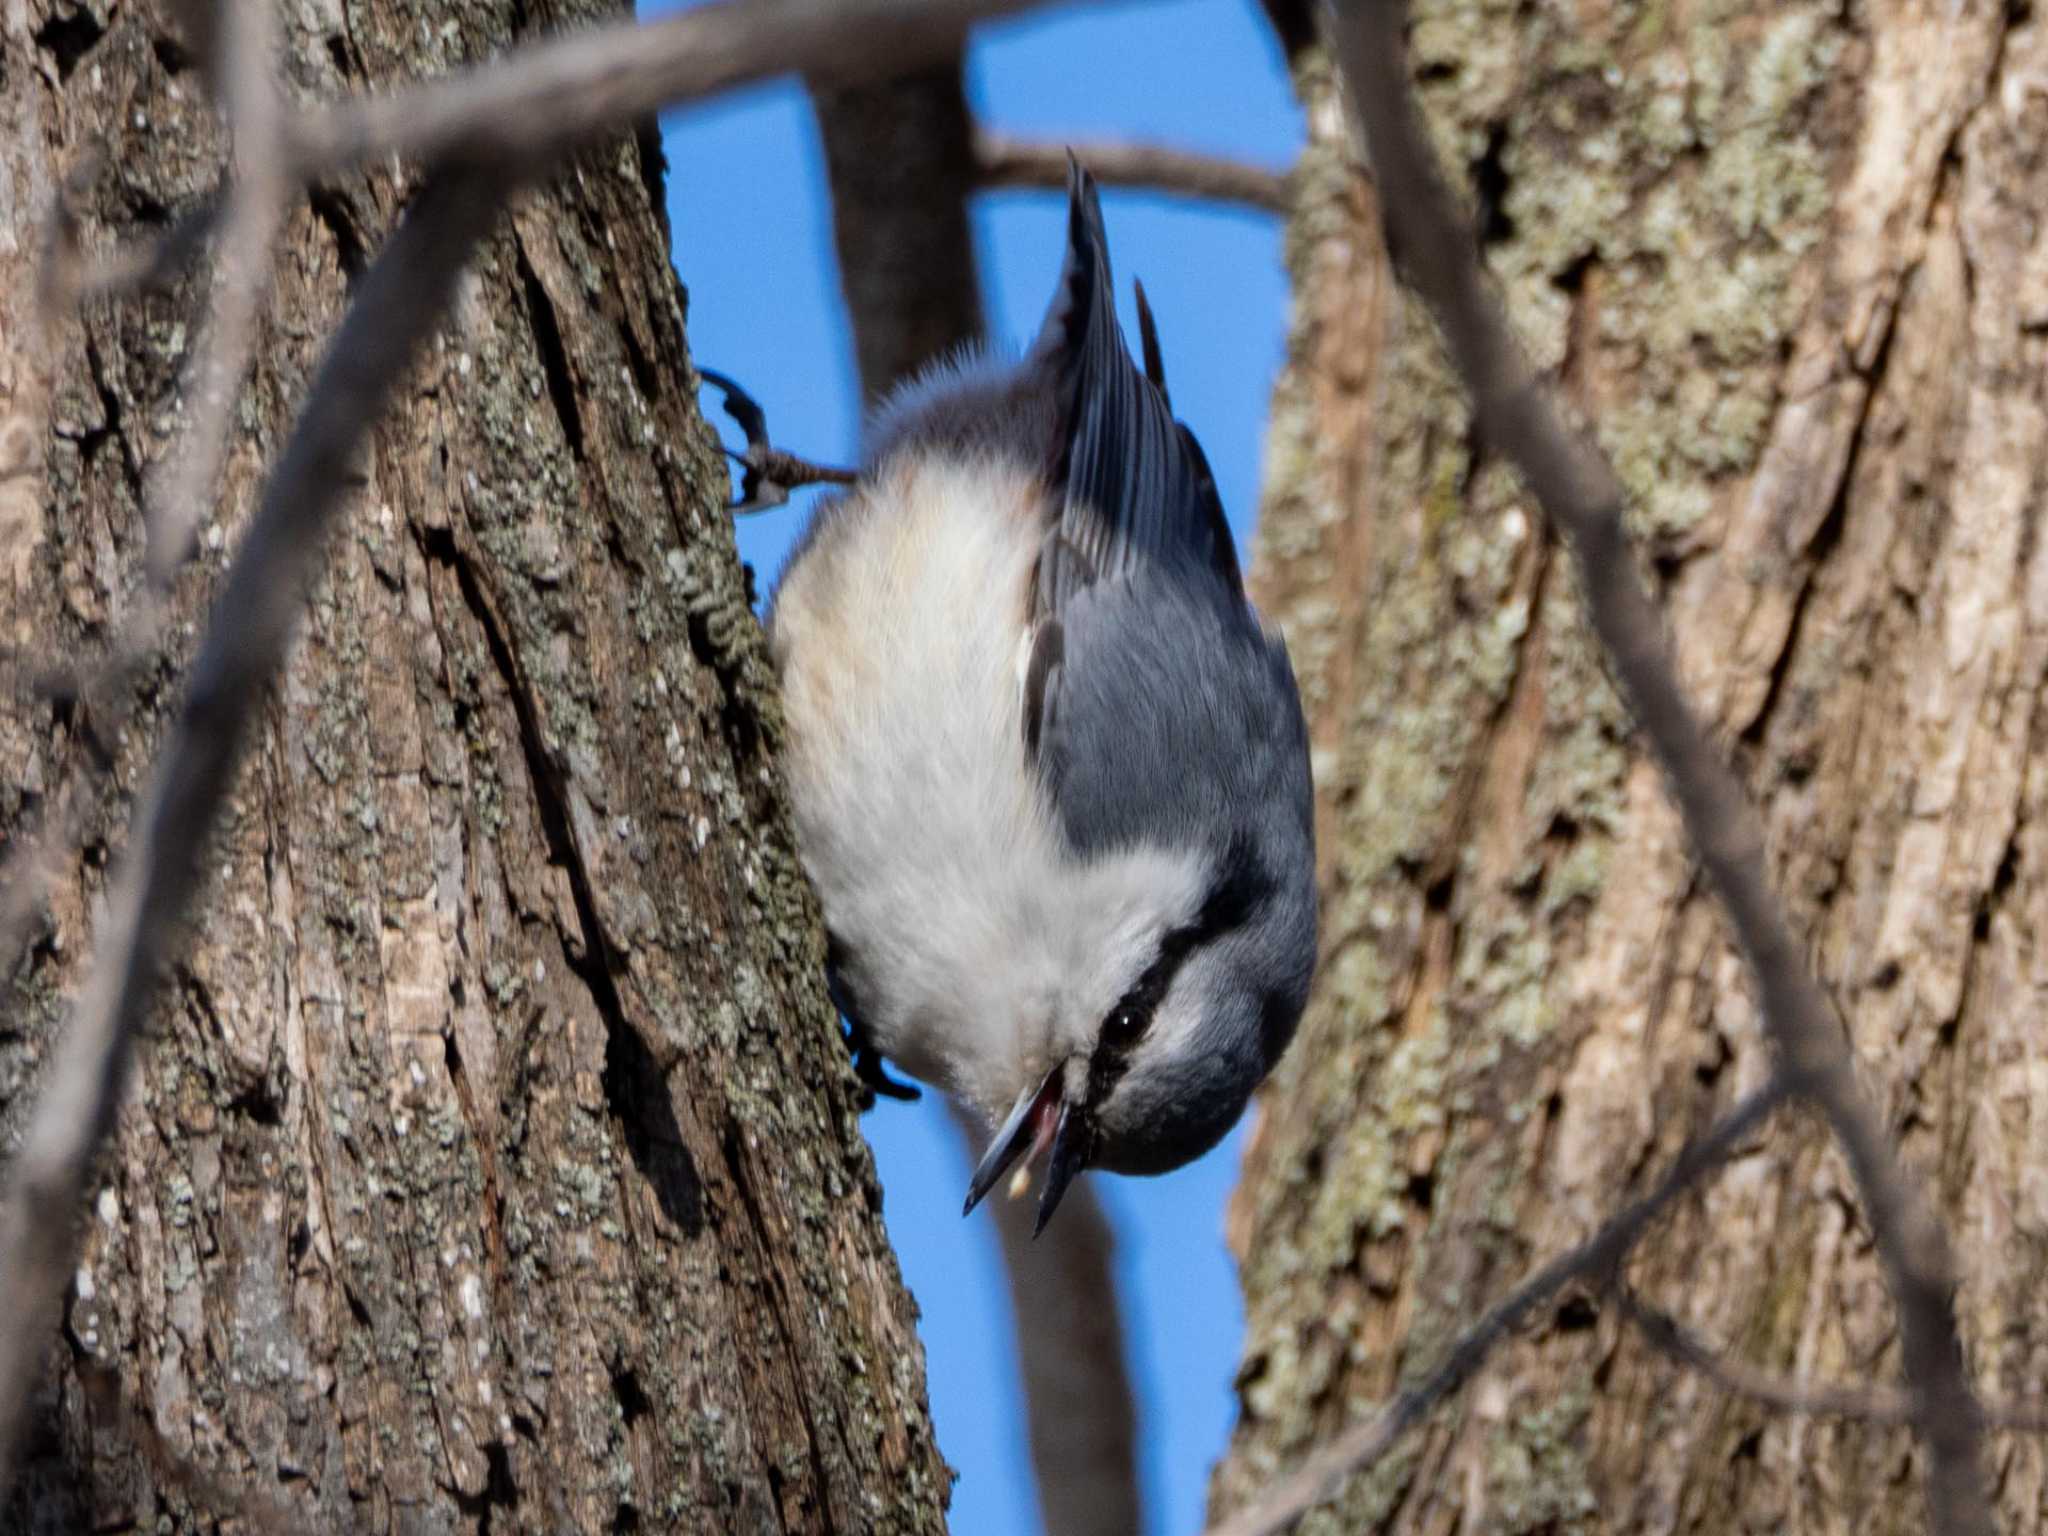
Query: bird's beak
{"type": "Point", "coordinates": [1070, 1148]}
{"type": "Point", "coordinates": [1041, 1119]}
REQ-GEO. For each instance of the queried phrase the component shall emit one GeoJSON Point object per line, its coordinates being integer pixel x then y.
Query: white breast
{"type": "Point", "coordinates": [898, 632]}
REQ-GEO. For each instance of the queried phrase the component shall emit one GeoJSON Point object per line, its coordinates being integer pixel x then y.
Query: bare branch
{"type": "Point", "coordinates": [401, 301]}
{"type": "Point", "coordinates": [1877, 1405]}
{"type": "Point", "coordinates": [1359, 1447]}
{"type": "Point", "coordinates": [1079, 1410]}
{"type": "Point", "coordinates": [183, 489]}
{"type": "Point", "coordinates": [1003, 161]}
{"type": "Point", "coordinates": [536, 103]}
{"type": "Point", "coordinates": [1434, 250]}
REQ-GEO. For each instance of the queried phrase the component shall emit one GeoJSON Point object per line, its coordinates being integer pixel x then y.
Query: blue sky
{"type": "Point", "coordinates": [751, 219]}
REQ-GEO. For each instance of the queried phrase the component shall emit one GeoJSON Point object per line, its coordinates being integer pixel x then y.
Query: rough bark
{"type": "Point", "coordinates": [494, 1164]}
{"type": "Point", "coordinates": [1783, 261]}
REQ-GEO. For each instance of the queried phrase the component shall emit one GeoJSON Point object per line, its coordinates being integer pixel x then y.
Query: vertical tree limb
{"type": "Point", "coordinates": [1433, 249]}
{"type": "Point", "coordinates": [900, 157]}
{"type": "Point", "coordinates": [1080, 1412]}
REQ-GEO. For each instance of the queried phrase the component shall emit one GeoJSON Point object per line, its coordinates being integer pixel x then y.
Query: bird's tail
{"type": "Point", "coordinates": [1136, 484]}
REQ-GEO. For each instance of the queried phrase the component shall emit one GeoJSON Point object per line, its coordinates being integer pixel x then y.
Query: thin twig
{"type": "Point", "coordinates": [70, 278]}
{"type": "Point", "coordinates": [1433, 248]}
{"type": "Point", "coordinates": [1359, 1447]}
{"type": "Point", "coordinates": [524, 110]}
{"type": "Point", "coordinates": [183, 489]}
{"type": "Point", "coordinates": [401, 301]}
{"type": "Point", "coordinates": [182, 486]}
{"type": "Point", "coordinates": [536, 103]}
{"type": "Point", "coordinates": [1003, 161]}
{"type": "Point", "coordinates": [1876, 1405]}
{"type": "Point", "coordinates": [1668, 1336]}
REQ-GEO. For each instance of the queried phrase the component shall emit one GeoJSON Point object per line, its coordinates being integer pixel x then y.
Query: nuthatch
{"type": "Point", "coordinates": [1050, 774]}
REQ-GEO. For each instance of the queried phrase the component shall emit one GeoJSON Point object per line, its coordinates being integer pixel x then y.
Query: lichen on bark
{"type": "Point", "coordinates": [1758, 251]}
{"type": "Point", "coordinates": [495, 1162]}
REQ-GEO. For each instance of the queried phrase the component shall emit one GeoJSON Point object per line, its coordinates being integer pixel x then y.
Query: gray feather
{"type": "Point", "coordinates": [1134, 484]}
{"type": "Point", "coordinates": [1173, 713]}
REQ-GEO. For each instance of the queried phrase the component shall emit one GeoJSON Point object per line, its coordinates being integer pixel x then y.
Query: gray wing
{"type": "Point", "coordinates": [1154, 703]}
{"type": "Point", "coordinates": [1174, 719]}
{"type": "Point", "coordinates": [1134, 486]}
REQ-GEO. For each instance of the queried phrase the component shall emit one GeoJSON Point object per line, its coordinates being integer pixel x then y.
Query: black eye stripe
{"type": "Point", "coordinates": [1241, 884]}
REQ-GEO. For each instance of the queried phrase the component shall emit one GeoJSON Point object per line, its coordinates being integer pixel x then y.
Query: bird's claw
{"type": "Point", "coordinates": [768, 474]}
{"type": "Point", "coordinates": [867, 1061]}
{"type": "Point", "coordinates": [875, 1079]}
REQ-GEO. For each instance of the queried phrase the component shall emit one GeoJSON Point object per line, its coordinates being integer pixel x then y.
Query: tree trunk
{"type": "Point", "coordinates": [494, 1163]}
{"type": "Point", "coordinates": [1788, 261]}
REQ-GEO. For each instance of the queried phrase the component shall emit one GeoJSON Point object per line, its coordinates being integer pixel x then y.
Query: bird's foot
{"type": "Point", "coordinates": [768, 474]}
{"type": "Point", "coordinates": [867, 1061]}
{"type": "Point", "coordinates": [875, 1078]}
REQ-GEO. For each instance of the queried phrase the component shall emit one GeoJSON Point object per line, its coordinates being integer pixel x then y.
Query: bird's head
{"type": "Point", "coordinates": [1192, 1005]}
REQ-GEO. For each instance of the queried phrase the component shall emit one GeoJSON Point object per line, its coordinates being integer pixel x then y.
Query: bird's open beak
{"type": "Point", "coordinates": [1042, 1119]}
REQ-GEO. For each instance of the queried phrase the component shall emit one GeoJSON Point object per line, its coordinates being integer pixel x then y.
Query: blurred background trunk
{"type": "Point", "coordinates": [494, 1164]}
{"type": "Point", "coordinates": [1788, 260]}
{"type": "Point", "coordinates": [900, 167]}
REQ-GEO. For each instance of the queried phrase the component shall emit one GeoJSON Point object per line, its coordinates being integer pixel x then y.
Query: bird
{"type": "Point", "coordinates": [1048, 767]}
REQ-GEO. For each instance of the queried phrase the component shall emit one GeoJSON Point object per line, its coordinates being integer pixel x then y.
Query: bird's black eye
{"type": "Point", "coordinates": [1121, 1029]}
